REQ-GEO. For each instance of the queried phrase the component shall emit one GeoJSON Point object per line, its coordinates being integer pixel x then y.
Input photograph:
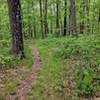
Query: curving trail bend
{"type": "Point", "coordinates": [26, 85]}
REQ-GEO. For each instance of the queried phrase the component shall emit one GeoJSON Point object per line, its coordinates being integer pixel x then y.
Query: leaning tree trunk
{"type": "Point", "coordinates": [73, 17]}
{"type": "Point", "coordinates": [16, 27]}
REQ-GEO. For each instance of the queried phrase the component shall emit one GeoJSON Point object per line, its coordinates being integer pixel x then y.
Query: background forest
{"type": "Point", "coordinates": [67, 36]}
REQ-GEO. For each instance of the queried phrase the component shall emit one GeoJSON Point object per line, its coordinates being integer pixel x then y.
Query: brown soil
{"type": "Point", "coordinates": [26, 85]}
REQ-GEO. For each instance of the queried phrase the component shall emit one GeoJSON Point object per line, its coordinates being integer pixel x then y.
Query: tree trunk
{"type": "Point", "coordinates": [69, 23]}
{"type": "Point", "coordinates": [99, 17]}
{"type": "Point", "coordinates": [65, 19]}
{"type": "Point", "coordinates": [41, 18]}
{"type": "Point", "coordinates": [45, 17]}
{"type": "Point", "coordinates": [57, 18]}
{"type": "Point", "coordinates": [88, 15]}
{"type": "Point", "coordinates": [16, 27]}
{"type": "Point", "coordinates": [34, 20]}
{"type": "Point", "coordinates": [82, 23]}
{"type": "Point", "coordinates": [73, 18]}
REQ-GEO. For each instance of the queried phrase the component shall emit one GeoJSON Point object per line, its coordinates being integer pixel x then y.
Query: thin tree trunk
{"type": "Point", "coordinates": [60, 19]}
{"type": "Point", "coordinates": [65, 19]}
{"type": "Point", "coordinates": [57, 18]}
{"type": "Point", "coordinates": [33, 17]}
{"type": "Point", "coordinates": [69, 23]}
{"type": "Point", "coordinates": [93, 19]}
{"type": "Point", "coordinates": [73, 17]}
{"type": "Point", "coordinates": [51, 21]}
{"type": "Point", "coordinates": [82, 23]}
{"type": "Point", "coordinates": [41, 18]}
{"type": "Point", "coordinates": [99, 21]}
{"type": "Point", "coordinates": [45, 17]}
{"type": "Point", "coordinates": [88, 16]}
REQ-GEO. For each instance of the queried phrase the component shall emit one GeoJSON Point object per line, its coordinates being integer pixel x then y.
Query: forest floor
{"type": "Point", "coordinates": [13, 71]}
{"type": "Point", "coordinates": [26, 85]}
{"type": "Point", "coordinates": [50, 81]}
{"type": "Point", "coordinates": [57, 72]}
{"type": "Point", "coordinates": [58, 79]}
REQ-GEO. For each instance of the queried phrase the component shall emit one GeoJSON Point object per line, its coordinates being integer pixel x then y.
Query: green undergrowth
{"type": "Point", "coordinates": [7, 60]}
{"type": "Point", "coordinates": [85, 50]}
{"type": "Point", "coordinates": [12, 70]}
{"type": "Point", "coordinates": [28, 60]}
{"type": "Point", "coordinates": [5, 55]}
{"type": "Point", "coordinates": [50, 79]}
{"type": "Point", "coordinates": [59, 55]}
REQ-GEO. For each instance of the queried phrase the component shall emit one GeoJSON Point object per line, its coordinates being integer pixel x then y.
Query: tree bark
{"type": "Point", "coordinates": [73, 17]}
{"type": "Point", "coordinates": [41, 18]}
{"type": "Point", "coordinates": [57, 18]}
{"type": "Point", "coordinates": [65, 19]}
{"type": "Point", "coordinates": [16, 27]}
{"type": "Point", "coordinates": [82, 23]}
{"type": "Point", "coordinates": [88, 15]}
{"type": "Point", "coordinates": [45, 17]}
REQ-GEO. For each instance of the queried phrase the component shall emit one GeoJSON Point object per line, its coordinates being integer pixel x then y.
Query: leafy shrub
{"type": "Point", "coordinates": [84, 77]}
{"type": "Point", "coordinates": [4, 43]}
{"type": "Point", "coordinates": [86, 50]}
{"type": "Point", "coordinates": [6, 60]}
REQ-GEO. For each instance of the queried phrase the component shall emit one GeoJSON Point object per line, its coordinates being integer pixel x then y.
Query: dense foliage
{"type": "Point", "coordinates": [86, 50]}
{"type": "Point", "coordinates": [66, 62]}
{"type": "Point", "coordinates": [66, 32]}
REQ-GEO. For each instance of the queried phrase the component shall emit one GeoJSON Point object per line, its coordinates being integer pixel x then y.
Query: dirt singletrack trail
{"type": "Point", "coordinates": [26, 85]}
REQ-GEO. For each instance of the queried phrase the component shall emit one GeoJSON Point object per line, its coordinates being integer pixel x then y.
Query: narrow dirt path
{"type": "Point", "coordinates": [26, 85]}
